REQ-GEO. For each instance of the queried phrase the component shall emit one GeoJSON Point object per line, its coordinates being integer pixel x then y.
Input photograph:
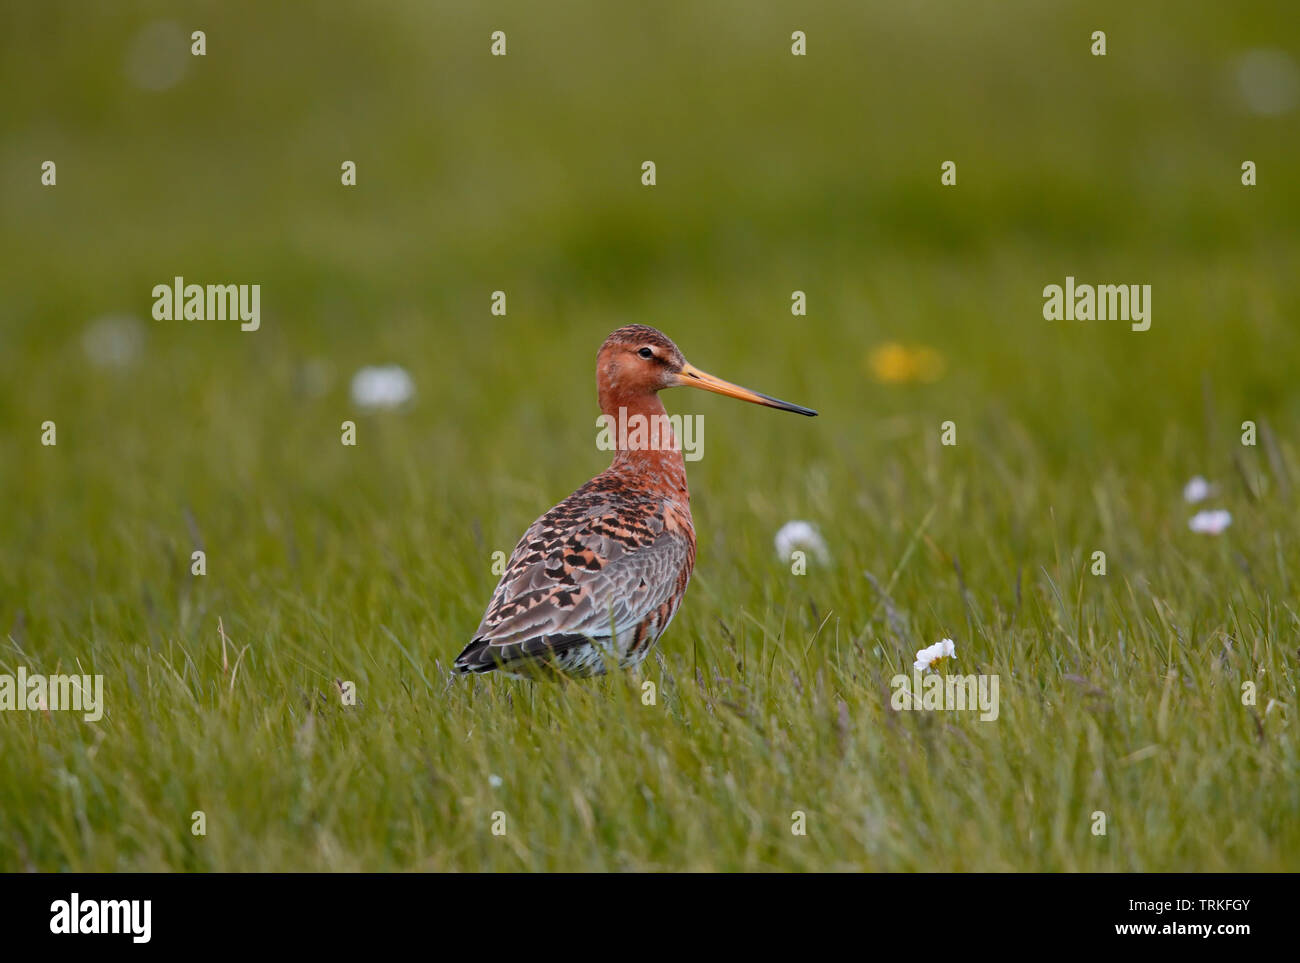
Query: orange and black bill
{"type": "Point", "coordinates": [692, 377]}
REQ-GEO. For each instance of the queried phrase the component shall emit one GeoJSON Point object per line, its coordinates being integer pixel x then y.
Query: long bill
{"type": "Point", "coordinates": [692, 377]}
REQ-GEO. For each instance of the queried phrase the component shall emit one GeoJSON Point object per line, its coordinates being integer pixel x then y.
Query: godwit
{"type": "Point", "coordinates": [598, 578]}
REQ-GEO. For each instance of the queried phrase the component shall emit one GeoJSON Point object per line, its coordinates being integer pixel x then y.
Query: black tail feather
{"type": "Point", "coordinates": [531, 654]}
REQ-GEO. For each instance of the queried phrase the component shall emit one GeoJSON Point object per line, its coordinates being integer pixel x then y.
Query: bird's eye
{"type": "Point", "coordinates": [646, 353]}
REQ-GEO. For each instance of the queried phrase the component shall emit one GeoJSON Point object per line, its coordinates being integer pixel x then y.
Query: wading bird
{"type": "Point", "coordinates": [596, 580]}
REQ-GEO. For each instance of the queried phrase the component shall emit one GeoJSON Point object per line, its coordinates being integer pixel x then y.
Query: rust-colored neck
{"type": "Point", "coordinates": [639, 418]}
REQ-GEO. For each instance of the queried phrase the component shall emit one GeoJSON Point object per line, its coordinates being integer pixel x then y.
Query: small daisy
{"type": "Point", "coordinates": [1197, 490]}
{"type": "Point", "coordinates": [932, 655]}
{"type": "Point", "coordinates": [312, 378]}
{"type": "Point", "coordinates": [1268, 81]}
{"type": "Point", "coordinates": [113, 341]}
{"type": "Point", "coordinates": [388, 386]}
{"type": "Point", "coordinates": [801, 535]}
{"type": "Point", "coordinates": [1210, 522]}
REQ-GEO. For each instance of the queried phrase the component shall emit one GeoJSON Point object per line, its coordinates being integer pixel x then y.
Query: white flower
{"type": "Point", "coordinates": [312, 378]}
{"type": "Point", "coordinates": [795, 535]}
{"type": "Point", "coordinates": [495, 781]}
{"type": "Point", "coordinates": [113, 341]}
{"type": "Point", "coordinates": [1197, 490]}
{"type": "Point", "coordinates": [158, 55]}
{"type": "Point", "coordinates": [1268, 81]}
{"type": "Point", "coordinates": [1210, 523]}
{"type": "Point", "coordinates": [388, 386]}
{"type": "Point", "coordinates": [928, 656]}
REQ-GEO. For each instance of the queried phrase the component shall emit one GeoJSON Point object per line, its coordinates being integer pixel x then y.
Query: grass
{"type": "Point", "coordinates": [1119, 693]}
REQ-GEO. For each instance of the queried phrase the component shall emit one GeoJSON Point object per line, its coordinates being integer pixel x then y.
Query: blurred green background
{"type": "Point", "coordinates": [522, 173]}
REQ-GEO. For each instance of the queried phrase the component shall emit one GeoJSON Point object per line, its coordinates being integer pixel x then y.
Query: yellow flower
{"type": "Point", "coordinates": [894, 363]}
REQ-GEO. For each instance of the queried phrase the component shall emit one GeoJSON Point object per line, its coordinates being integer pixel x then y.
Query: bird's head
{"type": "Point", "coordinates": [636, 360]}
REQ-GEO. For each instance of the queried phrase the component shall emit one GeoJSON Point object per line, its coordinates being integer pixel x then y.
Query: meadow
{"type": "Point", "coordinates": [1161, 694]}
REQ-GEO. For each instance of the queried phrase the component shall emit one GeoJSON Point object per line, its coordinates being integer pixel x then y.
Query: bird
{"type": "Point", "coordinates": [595, 581]}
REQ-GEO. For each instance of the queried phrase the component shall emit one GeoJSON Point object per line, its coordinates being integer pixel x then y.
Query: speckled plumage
{"type": "Point", "coordinates": [602, 573]}
{"type": "Point", "coordinates": [596, 580]}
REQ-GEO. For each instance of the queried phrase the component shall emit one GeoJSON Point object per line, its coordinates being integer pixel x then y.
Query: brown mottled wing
{"type": "Point", "coordinates": [592, 567]}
